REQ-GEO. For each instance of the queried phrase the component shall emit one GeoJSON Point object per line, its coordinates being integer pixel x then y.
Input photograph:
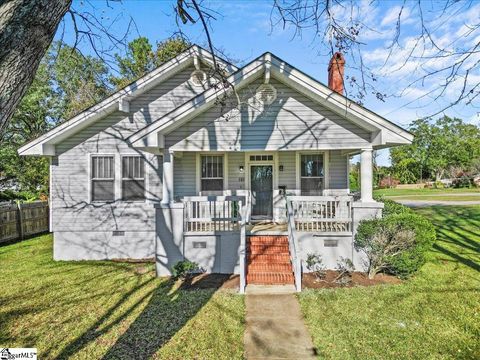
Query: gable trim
{"type": "Point", "coordinates": [119, 100]}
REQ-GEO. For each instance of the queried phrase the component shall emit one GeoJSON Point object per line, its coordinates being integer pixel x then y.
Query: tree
{"type": "Point", "coordinates": [66, 82]}
{"type": "Point", "coordinates": [141, 58]}
{"type": "Point", "coordinates": [27, 28]}
{"type": "Point", "coordinates": [446, 143]}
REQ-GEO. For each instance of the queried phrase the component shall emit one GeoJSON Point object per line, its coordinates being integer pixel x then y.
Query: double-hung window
{"type": "Point", "coordinates": [312, 174]}
{"type": "Point", "coordinates": [102, 178]}
{"type": "Point", "coordinates": [211, 178]}
{"type": "Point", "coordinates": [133, 178]}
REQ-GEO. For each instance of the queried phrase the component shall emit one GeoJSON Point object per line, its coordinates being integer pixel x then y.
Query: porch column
{"type": "Point", "coordinates": [366, 175]}
{"type": "Point", "coordinates": [167, 176]}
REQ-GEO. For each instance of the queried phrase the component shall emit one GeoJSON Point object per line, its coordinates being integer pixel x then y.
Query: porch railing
{"type": "Point", "coordinates": [322, 213]}
{"type": "Point", "coordinates": [294, 248]}
{"type": "Point", "coordinates": [212, 213]}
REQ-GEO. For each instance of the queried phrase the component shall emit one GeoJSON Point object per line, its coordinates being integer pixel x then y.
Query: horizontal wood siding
{"type": "Point", "coordinates": [71, 208]}
{"type": "Point", "coordinates": [287, 177]}
{"type": "Point", "coordinates": [291, 122]}
{"type": "Point", "coordinates": [338, 170]}
{"type": "Point", "coordinates": [236, 180]}
{"type": "Point", "coordinates": [184, 175]}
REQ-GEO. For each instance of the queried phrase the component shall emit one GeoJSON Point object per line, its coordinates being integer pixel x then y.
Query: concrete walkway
{"type": "Point", "coordinates": [275, 328]}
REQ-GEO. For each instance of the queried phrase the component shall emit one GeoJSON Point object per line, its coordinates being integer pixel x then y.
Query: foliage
{"type": "Point", "coordinates": [345, 268]}
{"type": "Point", "coordinates": [107, 310]}
{"type": "Point", "coordinates": [185, 268]}
{"type": "Point", "coordinates": [448, 143]}
{"type": "Point", "coordinates": [314, 263]}
{"type": "Point", "coordinates": [396, 243]}
{"type": "Point", "coordinates": [354, 180]}
{"type": "Point", "coordinates": [141, 58]}
{"type": "Point", "coordinates": [388, 182]}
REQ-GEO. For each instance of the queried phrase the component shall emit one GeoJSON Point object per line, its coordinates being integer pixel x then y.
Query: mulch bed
{"type": "Point", "coordinates": [211, 281]}
{"type": "Point", "coordinates": [310, 281]}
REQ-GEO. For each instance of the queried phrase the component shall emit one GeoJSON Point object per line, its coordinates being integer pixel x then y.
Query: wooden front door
{"type": "Point", "coordinates": [261, 182]}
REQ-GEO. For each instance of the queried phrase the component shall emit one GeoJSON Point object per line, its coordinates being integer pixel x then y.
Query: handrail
{"type": "Point", "coordinates": [294, 248]}
{"type": "Point", "coordinates": [243, 246]}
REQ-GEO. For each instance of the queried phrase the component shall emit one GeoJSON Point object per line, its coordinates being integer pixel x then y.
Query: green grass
{"type": "Point", "coordinates": [398, 192]}
{"type": "Point", "coordinates": [110, 310]}
{"type": "Point", "coordinates": [439, 197]}
{"type": "Point", "coordinates": [434, 315]}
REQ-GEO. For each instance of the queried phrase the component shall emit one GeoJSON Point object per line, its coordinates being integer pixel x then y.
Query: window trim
{"type": "Point", "coordinates": [144, 177]}
{"type": "Point", "coordinates": [90, 177]}
{"type": "Point", "coordinates": [326, 168]}
{"type": "Point", "coordinates": [198, 177]}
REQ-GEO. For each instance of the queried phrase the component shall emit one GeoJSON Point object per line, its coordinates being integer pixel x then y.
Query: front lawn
{"type": "Point", "coordinates": [406, 192]}
{"type": "Point", "coordinates": [110, 310]}
{"type": "Point", "coordinates": [434, 315]}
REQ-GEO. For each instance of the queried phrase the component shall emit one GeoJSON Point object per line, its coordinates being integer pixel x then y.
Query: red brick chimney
{"type": "Point", "coordinates": [335, 73]}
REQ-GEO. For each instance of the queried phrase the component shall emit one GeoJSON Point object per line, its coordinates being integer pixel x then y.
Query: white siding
{"type": "Point", "coordinates": [236, 180]}
{"type": "Point", "coordinates": [287, 177]}
{"type": "Point", "coordinates": [292, 122]}
{"type": "Point", "coordinates": [72, 211]}
{"type": "Point", "coordinates": [338, 170]}
{"type": "Point", "coordinates": [184, 175]}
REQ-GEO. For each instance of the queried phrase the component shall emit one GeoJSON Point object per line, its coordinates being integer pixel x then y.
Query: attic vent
{"type": "Point", "coordinates": [266, 93]}
{"type": "Point", "coordinates": [198, 77]}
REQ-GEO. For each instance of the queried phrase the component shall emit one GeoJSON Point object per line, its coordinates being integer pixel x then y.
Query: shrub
{"type": "Point", "coordinates": [388, 182]}
{"type": "Point", "coordinates": [185, 268]}
{"type": "Point", "coordinates": [397, 243]}
{"type": "Point", "coordinates": [393, 208]}
{"type": "Point", "coordinates": [315, 264]}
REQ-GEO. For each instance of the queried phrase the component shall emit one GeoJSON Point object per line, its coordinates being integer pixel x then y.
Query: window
{"type": "Point", "coordinates": [133, 178]}
{"type": "Point", "coordinates": [261, 157]}
{"type": "Point", "coordinates": [212, 173]}
{"type": "Point", "coordinates": [312, 174]}
{"type": "Point", "coordinates": [103, 178]}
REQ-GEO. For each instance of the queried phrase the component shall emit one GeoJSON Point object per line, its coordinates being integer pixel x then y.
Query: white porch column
{"type": "Point", "coordinates": [366, 175]}
{"type": "Point", "coordinates": [167, 176]}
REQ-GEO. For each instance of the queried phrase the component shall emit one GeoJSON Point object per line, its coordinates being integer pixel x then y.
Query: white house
{"type": "Point", "coordinates": [243, 178]}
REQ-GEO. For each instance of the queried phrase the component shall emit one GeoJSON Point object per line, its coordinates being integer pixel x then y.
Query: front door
{"type": "Point", "coordinates": [261, 182]}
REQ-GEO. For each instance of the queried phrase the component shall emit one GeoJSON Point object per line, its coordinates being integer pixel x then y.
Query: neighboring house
{"type": "Point", "coordinates": [177, 166]}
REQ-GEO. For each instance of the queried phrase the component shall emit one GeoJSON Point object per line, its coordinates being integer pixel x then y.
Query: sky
{"type": "Point", "coordinates": [242, 29]}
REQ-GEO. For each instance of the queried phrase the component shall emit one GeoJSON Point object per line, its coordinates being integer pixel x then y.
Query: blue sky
{"type": "Point", "coordinates": [242, 29]}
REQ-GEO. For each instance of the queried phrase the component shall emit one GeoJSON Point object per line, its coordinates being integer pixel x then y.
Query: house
{"type": "Point", "coordinates": [245, 175]}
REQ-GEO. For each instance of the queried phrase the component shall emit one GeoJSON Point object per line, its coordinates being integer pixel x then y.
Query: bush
{"type": "Point", "coordinates": [397, 243]}
{"type": "Point", "coordinates": [409, 261]}
{"type": "Point", "coordinates": [315, 264]}
{"type": "Point", "coordinates": [393, 208]}
{"type": "Point", "coordinates": [185, 268]}
{"type": "Point", "coordinates": [388, 182]}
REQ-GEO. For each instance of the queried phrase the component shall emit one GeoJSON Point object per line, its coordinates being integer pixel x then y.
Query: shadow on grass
{"type": "Point", "coordinates": [453, 225]}
{"type": "Point", "coordinates": [169, 308]}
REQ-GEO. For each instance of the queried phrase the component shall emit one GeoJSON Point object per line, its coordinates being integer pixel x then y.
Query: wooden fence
{"type": "Point", "coordinates": [18, 221]}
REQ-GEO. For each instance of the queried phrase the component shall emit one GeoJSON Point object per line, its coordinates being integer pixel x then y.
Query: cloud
{"type": "Point", "coordinates": [391, 16]}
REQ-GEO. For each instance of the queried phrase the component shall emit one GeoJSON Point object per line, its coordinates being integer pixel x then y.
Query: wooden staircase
{"type": "Point", "coordinates": [268, 260]}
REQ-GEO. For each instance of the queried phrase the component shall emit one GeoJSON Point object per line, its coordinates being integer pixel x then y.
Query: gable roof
{"type": "Point", "coordinates": [44, 145]}
{"type": "Point", "coordinates": [384, 132]}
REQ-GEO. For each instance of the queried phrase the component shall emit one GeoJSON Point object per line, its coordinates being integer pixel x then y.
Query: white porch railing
{"type": "Point", "coordinates": [322, 213]}
{"type": "Point", "coordinates": [212, 213]}
{"type": "Point", "coordinates": [294, 248]}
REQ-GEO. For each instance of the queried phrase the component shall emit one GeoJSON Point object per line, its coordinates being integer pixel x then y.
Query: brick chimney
{"type": "Point", "coordinates": [335, 73]}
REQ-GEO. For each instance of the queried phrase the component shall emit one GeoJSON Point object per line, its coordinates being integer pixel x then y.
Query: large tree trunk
{"type": "Point", "coordinates": [27, 28]}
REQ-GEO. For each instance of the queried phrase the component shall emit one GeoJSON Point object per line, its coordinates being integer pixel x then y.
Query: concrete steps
{"type": "Point", "coordinates": [268, 260]}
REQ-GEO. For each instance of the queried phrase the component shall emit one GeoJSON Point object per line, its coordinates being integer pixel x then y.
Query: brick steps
{"type": "Point", "coordinates": [268, 249]}
{"type": "Point", "coordinates": [266, 278]}
{"type": "Point", "coordinates": [268, 260]}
